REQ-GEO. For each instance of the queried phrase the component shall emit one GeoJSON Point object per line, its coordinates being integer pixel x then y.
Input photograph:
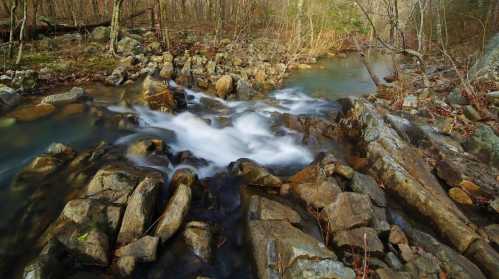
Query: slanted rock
{"type": "Point", "coordinates": [198, 237]}
{"type": "Point", "coordinates": [318, 194]}
{"type": "Point", "coordinates": [365, 184]}
{"type": "Point", "coordinates": [254, 174]}
{"type": "Point", "coordinates": [348, 211]}
{"type": "Point", "coordinates": [144, 249]}
{"type": "Point", "coordinates": [279, 249]}
{"type": "Point", "coordinates": [74, 95]}
{"type": "Point", "coordinates": [112, 184]}
{"type": "Point", "coordinates": [157, 95]}
{"type": "Point", "coordinates": [261, 208]}
{"type": "Point", "coordinates": [140, 209]}
{"type": "Point", "coordinates": [355, 239]}
{"type": "Point", "coordinates": [174, 214]}
{"type": "Point", "coordinates": [89, 246]}
{"type": "Point", "coordinates": [87, 211]}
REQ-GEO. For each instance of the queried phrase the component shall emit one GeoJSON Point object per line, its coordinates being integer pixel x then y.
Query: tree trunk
{"type": "Point", "coordinates": [21, 33]}
{"type": "Point", "coordinates": [115, 25]}
{"type": "Point", "coordinates": [163, 23]}
{"type": "Point", "coordinates": [12, 27]}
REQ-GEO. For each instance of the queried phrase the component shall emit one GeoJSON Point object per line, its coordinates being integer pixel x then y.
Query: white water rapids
{"type": "Point", "coordinates": [248, 134]}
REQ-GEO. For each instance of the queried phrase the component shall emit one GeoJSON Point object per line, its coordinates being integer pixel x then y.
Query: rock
{"type": "Point", "coordinates": [125, 266]}
{"type": "Point", "coordinates": [410, 102]}
{"type": "Point", "coordinates": [30, 113]}
{"type": "Point", "coordinates": [393, 261]}
{"type": "Point", "coordinates": [118, 76]}
{"type": "Point", "coordinates": [174, 213]}
{"type": "Point", "coordinates": [279, 248]}
{"type": "Point", "coordinates": [254, 174]}
{"type": "Point", "coordinates": [485, 144]}
{"type": "Point", "coordinates": [6, 122]}
{"type": "Point", "coordinates": [9, 98]}
{"type": "Point", "coordinates": [44, 165]}
{"type": "Point", "coordinates": [198, 237]}
{"type": "Point", "coordinates": [487, 65]}
{"type": "Point", "coordinates": [157, 95]}
{"type": "Point", "coordinates": [484, 257]}
{"type": "Point", "coordinates": [146, 147]}
{"type": "Point", "coordinates": [493, 233]}
{"type": "Point", "coordinates": [344, 170]}
{"type": "Point", "coordinates": [406, 252]}
{"type": "Point", "coordinates": [59, 148]}
{"type": "Point", "coordinates": [224, 86]}
{"type": "Point", "coordinates": [130, 45]}
{"type": "Point", "coordinates": [348, 211]}
{"type": "Point", "coordinates": [74, 95]}
{"type": "Point", "coordinates": [355, 239]}
{"type": "Point", "coordinates": [112, 184]}
{"type": "Point", "coordinates": [167, 70]}
{"type": "Point", "coordinates": [25, 80]}
{"type": "Point", "coordinates": [244, 90]}
{"type": "Point", "coordinates": [385, 273]}
{"type": "Point", "coordinates": [402, 171]}
{"type": "Point", "coordinates": [101, 34]}
{"type": "Point", "coordinates": [144, 249]}
{"type": "Point", "coordinates": [423, 266]}
{"type": "Point", "coordinates": [49, 264]}
{"type": "Point", "coordinates": [140, 209]}
{"type": "Point", "coordinates": [87, 211]}
{"type": "Point", "coordinates": [70, 110]}
{"type": "Point", "coordinates": [304, 67]}
{"type": "Point", "coordinates": [365, 184]}
{"type": "Point", "coordinates": [493, 97]}
{"type": "Point", "coordinates": [495, 205]}
{"type": "Point", "coordinates": [261, 208]}
{"type": "Point", "coordinates": [459, 196]}
{"type": "Point", "coordinates": [184, 176]}
{"type": "Point", "coordinates": [456, 98]}
{"type": "Point", "coordinates": [318, 194]}
{"type": "Point", "coordinates": [89, 247]}
{"type": "Point", "coordinates": [471, 113]}
{"type": "Point", "coordinates": [397, 236]}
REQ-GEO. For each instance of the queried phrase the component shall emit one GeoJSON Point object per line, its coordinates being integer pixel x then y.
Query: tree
{"type": "Point", "coordinates": [13, 8]}
{"type": "Point", "coordinates": [21, 33]}
{"type": "Point", "coordinates": [115, 25]}
{"type": "Point", "coordinates": [163, 23]}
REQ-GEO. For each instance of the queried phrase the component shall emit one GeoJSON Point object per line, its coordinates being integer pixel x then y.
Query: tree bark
{"type": "Point", "coordinates": [115, 25]}
{"type": "Point", "coordinates": [12, 27]}
{"type": "Point", "coordinates": [21, 33]}
{"type": "Point", "coordinates": [163, 23]}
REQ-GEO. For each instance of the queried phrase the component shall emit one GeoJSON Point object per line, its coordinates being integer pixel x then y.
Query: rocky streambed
{"type": "Point", "coordinates": [188, 185]}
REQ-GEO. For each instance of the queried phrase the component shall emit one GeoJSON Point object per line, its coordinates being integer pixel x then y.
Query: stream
{"type": "Point", "coordinates": [215, 131]}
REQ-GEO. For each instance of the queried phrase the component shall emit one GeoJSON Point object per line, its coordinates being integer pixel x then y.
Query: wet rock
{"type": "Point", "coordinates": [70, 110]}
{"type": "Point", "coordinates": [157, 95]}
{"type": "Point", "coordinates": [140, 209]}
{"type": "Point", "coordinates": [365, 184]}
{"type": "Point", "coordinates": [459, 196]}
{"type": "Point", "coordinates": [318, 194]}
{"type": "Point", "coordinates": [49, 264]}
{"type": "Point", "coordinates": [143, 249]}
{"type": "Point", "coordinates": [453, 263]}
{"type": "Point", "coordinates": [348, 211]}
{"type": "Point", "coordinates": [146, 147]}
{"type": "Point", "coordinates": [244, 90]}
{"type": "Point", "coordinates": [25, 80]}
{"type": "Point", "coordinates": [397, 236]}
{"type": "Point", "coordinates": [112, 184]}
{"type": "Point", "coordinates": [74, 95]}
{"type": "Point", "coordinates": [254, 174]}
{"type": "Point", "coordinates": [9, 98]}
{"type": "Point", "coordinates": [224, 86]}
{"type": "Point", "coordinates": [198, 237]}
{"type": "Point", "coordinates": [30, 113]}
{"type": "Point", "coordinates": [101, 34]}
{"type": "Point", "coordinates": [485, 144]}
{"type": "Point", "coordinates": [88, 246]}
{"type": "Point", "coordinates": [356, 238]}
{"type": "Point", "coordinates": [174, 213]}
{"type": "Point", "coordinates": [130, 45]}
{"type": "Point", "coordinates": [279, 249]}
{"type": "Point", "coordinates": [118, 76]}
{"type": "Point", "coordinates": [261, 208]}
{"type": "Point", "coordinates": [125, 266]}
{"type": "Point", "coordinates": [87, 211]}
{"type": "Point", "coordinates": [403, 172]}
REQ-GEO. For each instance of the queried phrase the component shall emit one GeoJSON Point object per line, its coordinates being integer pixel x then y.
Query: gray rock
{"type": "Point", "coordinates": [254, 174]}
{"type": "Point", "coordinates": [101, 34]}
{"type": "Point", "coordinates": [493, 233]}
{"type": "Point", "coordinates": [140, 209]}
{"type": "Point", "coordinates": [485, 144]}
{"type": "Point", "coordinates": [261, 208]}
{"type": "Point", "coordinates": [112, 184]}
{"type": "Point", "coordinates": [174, 213]}
{"type": "Point", "coordinates": [25, 80]}
{"type": "Point", "coordinates": [244, 90]}
{"type": "Point", "coordinates": [393, 261]}
{"type": "Point", "coordinates": [9, 98]}
{"type": "Point", "coordinates": [130, 45]}
{"type": "Point", "coordinates": [279, 248]}
{"type": "Point", "coordinates": [74, 95]}
{"type": "Point", "coordinates": [456, 98]}
{"type": "Point", "coordinates": [348, 211]}
{"type": "Point", "coordinates": [118, 76]}
{"type": "Point", "coordinates": [144, 249]}
{"type": "Point", "coordinates": [318, 194]}
{"type": "Point", "coordinates": [365, 184]}
{"type": "Point", "coordinates": [198, 237]}
{"type": "Point", "coordinates": [355, 238]}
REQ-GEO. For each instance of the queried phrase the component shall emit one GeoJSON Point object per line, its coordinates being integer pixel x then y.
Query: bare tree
{"type": "Point", "coordinates": [13, 8]}
{"type": "Point", "coordinates": [21, 32]}
{"type": "Point", "coordinates": [115, 25]}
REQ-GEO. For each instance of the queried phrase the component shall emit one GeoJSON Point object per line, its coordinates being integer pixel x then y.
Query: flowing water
{"type": "Point", "coordinates": [214, 130]}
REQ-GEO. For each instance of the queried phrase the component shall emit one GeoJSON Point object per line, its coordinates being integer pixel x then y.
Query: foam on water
{"type": "Point", "coordinates": [249, 134]}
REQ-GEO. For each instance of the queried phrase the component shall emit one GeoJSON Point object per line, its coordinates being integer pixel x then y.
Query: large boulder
{"type": "Point", "coordinates": [174, 214]}
{"type": "Point", "coordinates": [261, 208]}
{"type": "Point", "coordinates": [88, 211]}
{"type": "Point", "coordinates": [361, 239]}
{"type": "Point", "coordinates": [350, 210]}
{"type": "Point", "coordinates": [113, 184]}
{"type": "Point", "coordinates": [74, 95]}
{"type": "Point", "coordinates": [157, 95]}
{"type": "Point", "coordinates": [129, 45]}
{"type": "Point", "coordinates": [224, 86]}
{"type": "Point", "coordinates": [283, 251]}
{"type": "Point", "coordinates": [101, 34]}
{"type": "Point", "coordinates": [319, 193]}
{"type": "Point", "coordinates": [90, 246]}
{"type": "Point", "coordinates": [9, 98]}
{"type": "Point", "coordinates": [140, 209]}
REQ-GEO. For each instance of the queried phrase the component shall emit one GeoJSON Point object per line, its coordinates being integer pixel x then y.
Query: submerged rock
{"type": "Point", "coordinates": [174, 214]}
{"type": "Point", "coordinates": [30, 113]}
